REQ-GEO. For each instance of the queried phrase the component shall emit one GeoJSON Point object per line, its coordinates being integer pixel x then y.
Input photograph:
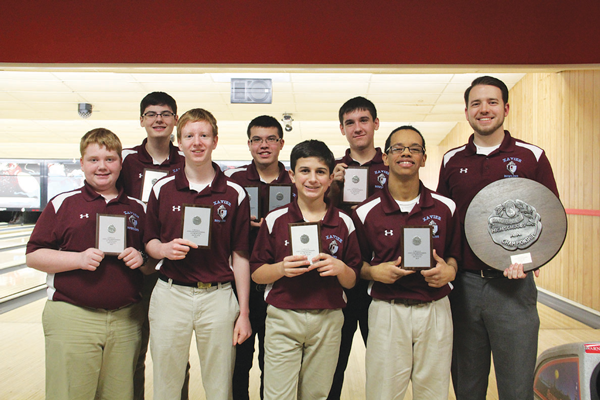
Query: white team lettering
{"type": "Point", "coordinates": [389, 233]}
{"type": "Point", "coordinates": [82, 216]}
{"type": "Point", "coordinates": [176, 208]}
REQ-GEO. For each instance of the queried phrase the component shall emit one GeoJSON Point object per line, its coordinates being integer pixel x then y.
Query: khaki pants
{"type": "Point", "coordinates": [176, 312]}
{"type": "Point", "coordinates": [301, 352]}
{"type": "Point", "coordinates": [90, 353]}
{"type": "Point", "coordinates": [409, 343]}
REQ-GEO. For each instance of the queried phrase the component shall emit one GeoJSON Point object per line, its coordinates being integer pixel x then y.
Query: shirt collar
{"type": "Point", "coordinates": [390, 205]}
{"type": "Point", "coordinates": [377, 159]}
{"type": "Point", "coordinates": [90, 194]}
{"type": "Point", "coordinates": [218, 184]}
{"type": "Point", "coordinates": [330, 219]}
{"type": "Point", "coordinates": [507, 145]}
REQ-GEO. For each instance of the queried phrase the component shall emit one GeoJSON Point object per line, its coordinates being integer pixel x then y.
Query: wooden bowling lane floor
{"type": "Point", "coordinates": [22, 355]}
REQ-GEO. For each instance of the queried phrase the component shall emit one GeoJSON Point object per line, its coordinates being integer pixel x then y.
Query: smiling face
{"type": "Point", "coordinates": [405, 164]}
{"type": "Point", "coordinates": [311, 177]}
{"type": "Point", "coordinates": [486, 111]}
{"type": "Point", "coordinates": [264, 153]}
{"type": "Point", "coordinates": [101, 168]}
{"type": "Point", "coordinates": [158, 127]}
{"type": "Point", "coordinates": [359, 128]}
{"type": "Point", "coordinates": [197, 143]}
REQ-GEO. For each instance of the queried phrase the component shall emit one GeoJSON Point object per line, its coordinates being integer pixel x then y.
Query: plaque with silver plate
{"type": "Point", "coordinates": [279, 195]}
{"type": "Point", "coordinates": [356, 185]}
{"type": "Point", "coordinates": [196, 224]}
{"type": "Point", "coordinates": [515, 220]}
{"type": "Point", "coordinates": [305, 239]}
{"type": "Point", "coordinates": [417, 247]}
{"type": "Point", "coordinates": [111, 233]}
{"type": "Point", "coordinates": [150, 178]}
{"type": "Point", "coordinates": [254, 197]}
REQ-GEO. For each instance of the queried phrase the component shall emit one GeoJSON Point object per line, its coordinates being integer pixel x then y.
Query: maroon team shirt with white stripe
{"type": "Point", "coordinates": [379, 223]}
{"type": "Point", "coordinates": [137, 159]}
{"type": "Point", "coordinates": [464, 173]}
{"type": "Point", "coordinates": [68, 223]}
{"type": "Point", "coordinates": [308, 291]}
{"type": "Point", "coordinates": [229, 230]}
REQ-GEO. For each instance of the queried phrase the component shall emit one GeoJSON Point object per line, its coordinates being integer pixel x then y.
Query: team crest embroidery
{"type": "Point", "coordinates": [133, 220]}
{"type": "Point", "coordinates": [511, 167]}
{"type": "Point", "coordinates": [333, 247]}
{"type": "Point", "coordinates": [381, 179]}
{"type": "Point", "coordinates": [435, 227]}
{"type": "Point", "coordinates": [222, 211]}
{"type": "Point", "coordinates": [514, 224]}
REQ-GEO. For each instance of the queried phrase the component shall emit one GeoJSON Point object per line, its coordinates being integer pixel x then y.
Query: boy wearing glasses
{"type": "Point", "coordinates": [265, 141]}
{"type": "Point", "coordinates": [410, 325]}
{"type": "Point", "coordinates": [358, 123]}
{"type": "Point", "coordinates": [158, 116]}
{"type": "Point", "coordinates": [194, 292]}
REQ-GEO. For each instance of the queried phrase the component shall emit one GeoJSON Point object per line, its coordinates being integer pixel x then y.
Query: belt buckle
{"type": "Point", "coordinates": [202, 285]}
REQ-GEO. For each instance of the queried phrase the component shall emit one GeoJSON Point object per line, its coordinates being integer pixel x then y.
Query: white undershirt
{"type": "Point", "coordinates": [198, 187]}
{"type": "Point", "coordinates": [486, 150]}
{"type": "Point", "coordinates": [407, 206]}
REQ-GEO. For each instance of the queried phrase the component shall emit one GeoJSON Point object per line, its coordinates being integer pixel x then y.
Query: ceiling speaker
{"type": "Point", "coordinates": [251, 91]}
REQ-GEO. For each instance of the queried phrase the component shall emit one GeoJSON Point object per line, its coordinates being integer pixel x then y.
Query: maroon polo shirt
{"type": "Point", "coordinates": [464, 173]}
{"type": "Point", "coordinates": [309, 291]}
{"type": "Point", "coordinates": [137, 159]}
{"type": "Point", "coordinates": [68, 223]}
{"type": "Point", "coordinates": [379, 223]}
{"type": "Point", "coordinates": [378, 174]}
{"type": "Point", "coordinates": [229, 229]}
{"type": "Point", "coordinates": [248, 176]}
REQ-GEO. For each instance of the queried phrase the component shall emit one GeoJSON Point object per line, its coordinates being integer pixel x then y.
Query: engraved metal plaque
{"type": "Point", "coordinates": [279, 195]}
{"type": "Point", "coordinates": [417, 247]}
{"type": "Point", "coordinates": [254, 197]}
{"type": "Point", "coordinates": [515, 220]}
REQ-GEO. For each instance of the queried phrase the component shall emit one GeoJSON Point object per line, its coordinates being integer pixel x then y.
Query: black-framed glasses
{"type": "Point", "coordinates": [269, 140]}
{"type": "Point", "coordinates": [399, 149]}
{"type": "Point", "coordinates": [163, 115]}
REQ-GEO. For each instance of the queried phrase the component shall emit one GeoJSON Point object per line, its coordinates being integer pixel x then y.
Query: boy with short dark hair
{"type": "Point", "coordinates": [194, 293]}
{"type": "Point", "coordinates": [265, 141]}
{"type": "Point", "coordinates": [92, 319]}
{"type": "Point", "coordinates": [158, 117]}
{"type": "Point", "coordinates": [305, 297]}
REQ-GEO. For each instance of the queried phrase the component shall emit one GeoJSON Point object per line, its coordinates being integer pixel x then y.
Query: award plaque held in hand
{"type": "Point", "coordinates": [305, 238]}
{"type": "Point", "coordinates": [417, 247]}
{"type": "Point", "coordinates": [111, 235]}
{"type": "Point", "coordinates": [356, 186]}
{"type": "Point", "coordinates": [196, 224]}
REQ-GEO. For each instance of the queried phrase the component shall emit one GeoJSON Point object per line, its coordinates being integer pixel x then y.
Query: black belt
{"type": "Point", "coordinates": [486, 273]}
{"type": "Point", "coordinates": [410, 302]}
{"type": "Point", "coordinates": [259, 287]}
{"type": "Point", "coordinates": [199, 285]}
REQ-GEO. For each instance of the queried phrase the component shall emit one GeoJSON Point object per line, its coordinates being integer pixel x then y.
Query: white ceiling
{"type": "Point", "coordinates": [39, 119]}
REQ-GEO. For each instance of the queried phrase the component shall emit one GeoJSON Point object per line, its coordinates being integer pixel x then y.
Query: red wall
{"type": "Point", "coordinates": [301, 32]}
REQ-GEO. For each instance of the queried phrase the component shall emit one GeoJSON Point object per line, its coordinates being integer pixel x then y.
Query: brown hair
{"type": "Point", "coordinates": [101, 137]}
{"type": "Point", "coordinates": [196, 115]}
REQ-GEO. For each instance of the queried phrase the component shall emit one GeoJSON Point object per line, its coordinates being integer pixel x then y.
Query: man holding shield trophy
{"type": "Point", "coordinates": [492, 314]}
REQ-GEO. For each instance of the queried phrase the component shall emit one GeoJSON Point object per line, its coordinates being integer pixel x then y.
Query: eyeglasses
{"type": "Point", "coordinates": [163, 115]}
{"type": "Point", "coordinates": [269, 140]}
{"type": "Point", "coordinates": [399, 149]}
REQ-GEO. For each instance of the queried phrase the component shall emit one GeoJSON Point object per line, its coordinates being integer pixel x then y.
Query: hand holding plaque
{"type": "Point", "coordinates": [305, 238]}
{"type": "Point", "coordinates": [356, 185]}
{"type": "Point", "coordinates": [196, 224]}
{"type": "Point", "coordinates": [111, 233]}
{"type": "Point", "coordinates": [417, 247]}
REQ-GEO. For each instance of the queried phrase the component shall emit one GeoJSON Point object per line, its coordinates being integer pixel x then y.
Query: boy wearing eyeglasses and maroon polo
{"type": "Point", "coordinates": [265, 141]}
{"type": "Point", "coordinates": [158, 116]}
{"type": "Point", "coordinates": [410, 324]}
